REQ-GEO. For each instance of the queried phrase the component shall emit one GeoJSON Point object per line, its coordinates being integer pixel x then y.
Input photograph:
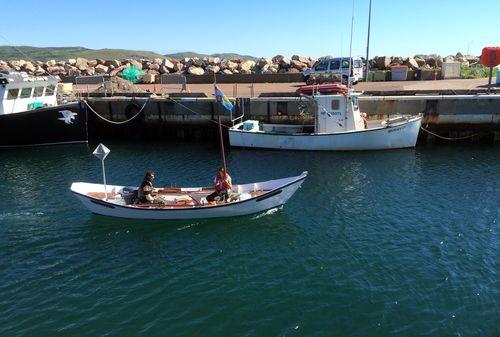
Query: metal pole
{"type": "Point", "coordinates": [368, 42]}
{"type": "Point", "coordinates": [104, 178]}
{"type": "Point", "coordinates": [492, 58]}
{"type": "Point", "coordinates": [350, 51]}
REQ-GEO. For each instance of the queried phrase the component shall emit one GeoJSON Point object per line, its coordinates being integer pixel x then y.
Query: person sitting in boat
{"type": "Point", "coordinates": [223, 185]}
{"type": "Point", "coordinates": [146, 192]}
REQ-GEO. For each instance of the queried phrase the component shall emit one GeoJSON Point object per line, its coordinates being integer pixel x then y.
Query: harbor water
{"type": "Point", "coordinates": [393, 243]}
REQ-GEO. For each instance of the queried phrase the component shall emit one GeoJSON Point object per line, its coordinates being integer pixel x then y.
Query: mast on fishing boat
{"type": "Point", "coordinates": [368, 41]}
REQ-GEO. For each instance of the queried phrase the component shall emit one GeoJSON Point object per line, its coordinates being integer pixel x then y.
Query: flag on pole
{"type": "Point", "coordinates": [221, 98]}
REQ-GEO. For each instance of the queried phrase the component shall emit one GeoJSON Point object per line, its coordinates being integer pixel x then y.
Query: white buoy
{"type": "Point", "coordinates": [102, 152]}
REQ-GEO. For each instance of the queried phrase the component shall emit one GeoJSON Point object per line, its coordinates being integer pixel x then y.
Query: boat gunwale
{"type": "Point", "coordinates": [105, 203]}
{"type": "Point", "coordinates": [411, 120]}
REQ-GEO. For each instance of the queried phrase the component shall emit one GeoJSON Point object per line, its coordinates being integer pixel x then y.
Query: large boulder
{"type": "Point", "coordinates": [246, 66]}
{"type": "Point", "coordinates": [56, 70]}
{"type": "Point", "coordinates": [301, 59]}
{"type": "Point", "coordinates": [51, 63]}
{"type": "Point", "coordinates": [92, 63]}
{"type": "Point", "coordinates": [382, 62]}
{"type": "Point", "coordinates": [164, 70]}
{"type": "Point", "coordinates": [397, 60]}
{"type": "Point", "coordinates": [420, 61]}
{"type": "Point", "coordinates": [296, 64]}
{"type": "Point", "coordinates": [197, 62]}
{"type": "Point", "coordinates": [114, 63]}
{"type": "Point", "coordinates": [29, 67]}
{"type": "Point", "coordinates": [263, 62]}
{"type": "Point", "coordinates": [411, 63]}
{"type": "Point", "coordinates": [117, 71]}
{"type": "Point", "coordinates": [193, 70]}
{"type": "Point", "coordinates": [178, 67]}
{"type": "Point", "coordinates": [101, 69]}
{"type": "Point", "coordinates": [212, 69]}
{"type": "Point", "coordinates": [167, 64]}
{"type": "Point", "coordinates": [73, 71]}
{"type": "Point", "coordinates": [153, 66]}
{"type": "Point", "coordinates": [270, 69]}
{"type": "Point", "coordinates": [231, 65]}
{"type": "Point", "coordinates": [135, 63]}
{"type": "Point", "coordinates": [449, 58]}
{"type": "Point", "coordinates": [40, 71]}
{"type": "Point", "coordinates": [81, 63]}
{"type": "Point", "coordinates": [312, 61]}
{"type": "Point", "coordinates": [227, 72]}
{"type": "Point", "coordinates": [431, 62]}
{"type": "Point", "coordinates": [90, 71]}
{"type": "Point", "coordinates": [72, 62]}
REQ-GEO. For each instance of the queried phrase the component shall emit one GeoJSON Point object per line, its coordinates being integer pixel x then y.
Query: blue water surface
{"type": "Point", "coordinates": [394, 243]}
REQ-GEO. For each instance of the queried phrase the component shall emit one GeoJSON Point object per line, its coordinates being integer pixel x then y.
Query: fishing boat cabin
{"type": "Point", "coordinates": [21, 92]}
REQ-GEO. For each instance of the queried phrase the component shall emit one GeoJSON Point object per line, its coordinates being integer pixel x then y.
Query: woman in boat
{"type": "Point", "coordinates": [223, 185]}
{"type": "Point", "coordinates": [146, 191]}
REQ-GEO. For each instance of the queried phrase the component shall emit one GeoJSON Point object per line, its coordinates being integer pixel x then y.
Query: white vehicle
{"type": "Point", "coordinates": [338, 126]}
{"type": "Point", "coordinates": [339, 66]}
{"type": "Point", "coordinates": [187, 203]}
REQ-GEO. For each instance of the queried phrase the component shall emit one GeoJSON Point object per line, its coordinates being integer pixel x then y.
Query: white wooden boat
{"type": "Point", "coordinates": [338, 126]}
{"type": "Point", "coordinates": [187, 203]}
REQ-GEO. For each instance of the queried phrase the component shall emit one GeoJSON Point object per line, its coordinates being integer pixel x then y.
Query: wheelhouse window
{"type": "Point", "coordinates": [12, 93]}
{"type": "Point", "coordinates": [321, 66]}
{"type": "Point", "coordinates": [355, 102]}
{"type": "Point", "coordinates": [26, 92]}
{"type": "Point", "coordinates": [335, 104]}
{"type": "Point", "coordinates": [357, 64]}
{"type": "Point", "coordinates": [38, 92]}
{"type": "Point", "coordinates": [50, 90]}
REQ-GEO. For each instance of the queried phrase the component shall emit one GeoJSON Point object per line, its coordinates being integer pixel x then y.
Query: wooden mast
{"type": "Point", "coordinates": [220, 128]}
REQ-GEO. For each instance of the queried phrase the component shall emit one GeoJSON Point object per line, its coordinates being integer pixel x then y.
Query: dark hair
{"type": "Point", "coordinates": [149, 173]}
{"type": "Point", "coordinates": [222, 169]}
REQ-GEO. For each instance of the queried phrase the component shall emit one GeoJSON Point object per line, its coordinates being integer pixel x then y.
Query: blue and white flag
{"type": "Point", "coordinates": [221, 98]}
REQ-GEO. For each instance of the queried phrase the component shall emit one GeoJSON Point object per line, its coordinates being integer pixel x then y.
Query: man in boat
{"type": "Point", "coordinates": [146, 192]}
{"type": "Point", "coordinates": [222, 186]}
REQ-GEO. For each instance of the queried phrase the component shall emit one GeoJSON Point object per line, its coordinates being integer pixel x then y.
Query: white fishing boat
{"type": "Point", "coordinates": [186, 203]}
{"type": "Point", "coordinates": [338, 126]}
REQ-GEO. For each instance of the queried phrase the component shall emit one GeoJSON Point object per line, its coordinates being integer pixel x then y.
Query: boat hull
{"type": "Point", "coordinates": [275, 197]}
{"type": "Point", "coordinates": [63, 124]}
{"type": "Point", "coordinates": [383, 138]}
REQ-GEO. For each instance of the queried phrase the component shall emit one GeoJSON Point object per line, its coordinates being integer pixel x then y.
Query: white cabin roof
{"type": "Point", "coordinates": [22, 80]}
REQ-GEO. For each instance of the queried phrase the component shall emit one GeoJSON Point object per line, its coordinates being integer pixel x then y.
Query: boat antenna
{"type": "Point", "coordinates": [221, 139]}
{"type": "Point", "coordinates": [368, 40]}
{"type": "Point", "coordinates": [350, 51]}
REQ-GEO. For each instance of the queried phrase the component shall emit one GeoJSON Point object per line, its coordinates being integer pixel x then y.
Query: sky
{"type": "Point", "coordinates": [257, 28]}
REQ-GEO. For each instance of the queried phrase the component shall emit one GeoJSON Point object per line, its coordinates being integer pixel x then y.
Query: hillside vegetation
{"type": "Point", "coordinates": [8, 53]}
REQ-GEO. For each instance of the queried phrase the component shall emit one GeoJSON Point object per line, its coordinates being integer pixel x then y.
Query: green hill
{"type": "Point", "coordinates": [227, 56]}
{"type": "Point", "coordinates": [64, 53]}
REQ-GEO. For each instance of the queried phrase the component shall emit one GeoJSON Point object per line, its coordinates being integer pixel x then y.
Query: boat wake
{"type": "Point", "coordinates": [9, 215]}
{"type": "Point", "coordinates": [268, 212]}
